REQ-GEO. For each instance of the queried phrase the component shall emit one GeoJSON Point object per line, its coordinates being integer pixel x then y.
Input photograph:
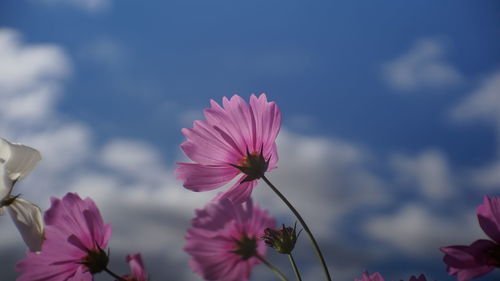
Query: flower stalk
{"type": "Point", "coordinates": [272, 268]}
{"type": "Point", "coordinates": [304, 226]}
{"type": "Point", "coordinates": [294, 266]}
{"type": "Point", "coordinates": [114, 274]}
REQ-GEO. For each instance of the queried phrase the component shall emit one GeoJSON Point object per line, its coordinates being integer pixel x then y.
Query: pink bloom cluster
{"type": "Point", "coordinates": [377, 277]}
{"type": "Point", "coordinates": [482, 256]}
{"type": "Point", "coordinates": [224, 240]}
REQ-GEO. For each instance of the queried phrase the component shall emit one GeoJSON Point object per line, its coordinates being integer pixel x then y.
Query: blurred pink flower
{"type": "Point", "coordinates": [224, 240]}
{"type": "Point", "coordinates": [482, 256]}
{"type": "Point", "coordinates": [236, 138]}
{"type": "Point", "coordinates": [377, 277]}
{"type": "Point", "coordinates": [137, 269]}
{"type": "Point", "coordinates": [75, 236]}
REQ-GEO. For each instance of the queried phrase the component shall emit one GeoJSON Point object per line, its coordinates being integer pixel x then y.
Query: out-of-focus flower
{"type": "Point", "coordinates": [235, 138]}
{"type": "Point", "coordinates": [138, 272]}
{"type": "Point", "coordinates": [377, 277]}
{"type": "Point", "coordinates": [75, 236]}
{"type": "Point", "coordinates": [224, 240]}
{"type": "Point", "coordinates": [16, 162]}
{"type": "Point", "coordinates": [282, 240]}
{"type": "Point", "coordinates": [482, 256]}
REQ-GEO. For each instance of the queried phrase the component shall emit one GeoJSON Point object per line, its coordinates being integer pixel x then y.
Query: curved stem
{"type": "Point", "coordinates": [114, 274]}
{"type": "Point", "coordinates": [304, 225]}
{"type": "Point", "coordinates": [272, 268]}
{"type": "Point", "coordinates": [295, 268]}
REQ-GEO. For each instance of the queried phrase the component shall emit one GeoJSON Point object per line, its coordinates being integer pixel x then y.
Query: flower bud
{"type": "Point", "coordinates": [282, 240]}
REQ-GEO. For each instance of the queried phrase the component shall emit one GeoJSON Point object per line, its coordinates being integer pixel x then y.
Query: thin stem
{"type": "Point", "coordinates": [272, 268]}
{"type": "Point", "coordinates": [304, 225]}
{"type": "Point", "coordinates": [114, 274]}
{"type": "Point", "coordinates": [295, 268]}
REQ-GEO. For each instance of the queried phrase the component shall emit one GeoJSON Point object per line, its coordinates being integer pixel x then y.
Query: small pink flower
{"type": "Point", "coordinates": [137, 269]}
{"type": "Point", "coordinates": [75, 236]}
{"type": "Point", "coordinates": [224, 240]}
{"type": "Point", "coordinates": [377, 277]}
{"type": "Point", "coordinates": [237, 138]}
{"type": "Point", "coordinates": [367, 277]}
{"type": "Point", "coordinates": [482, 256]}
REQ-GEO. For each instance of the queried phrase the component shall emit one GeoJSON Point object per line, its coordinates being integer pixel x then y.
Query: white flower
{"type": "Point", "coordinates": [16, 162]}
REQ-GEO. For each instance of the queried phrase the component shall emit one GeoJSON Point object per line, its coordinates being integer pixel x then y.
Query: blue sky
{"type": "Point", "coordinates": [391, 117]}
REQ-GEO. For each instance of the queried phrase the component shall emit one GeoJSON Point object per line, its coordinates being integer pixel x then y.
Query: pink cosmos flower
{"type": "Point", "coordinates": [237, 138]}
{"type": "Point", "coordinates": [137, 268]}
{"type": "Point", "coordinates": [224, 240]}
{"type": "Point", "coordinates": [75, 236]}
{"type": "Point", "coordinates": [482, 256]}
{"type": "Point", "coordinates": [377, 277]}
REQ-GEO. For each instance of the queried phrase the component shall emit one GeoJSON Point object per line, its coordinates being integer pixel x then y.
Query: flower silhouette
{"type": "Point", "coordinates": [237, 138]}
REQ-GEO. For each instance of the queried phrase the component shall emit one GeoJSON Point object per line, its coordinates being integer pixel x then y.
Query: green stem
{"type": "Point", "coordinates": [114, 274]}
{"type": "Point", "coordinates": [304, 225]}
{"type": "Point", "coordinates": [295, 268]}
{"type": "Point", "coordinates": [272, 268]}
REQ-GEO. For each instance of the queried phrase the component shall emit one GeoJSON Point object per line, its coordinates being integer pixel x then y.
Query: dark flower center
{"type": "Point", "coordinates": [493, 256]}
{"type": "Point", "coordinates": [95, 260]}
{"type": "Point", "coordinates": [8, 200]}
{"type": "Point", "coordinates": [254, 165]}
{"type": "Point", "coordinates": [246, 247]}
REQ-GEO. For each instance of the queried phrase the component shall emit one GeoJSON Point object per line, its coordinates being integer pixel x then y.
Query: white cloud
{"type": "Point", "coordinates": [324, 178]}
{"type": "Point", "coordinates": [483, 103]}
{"type": "Point", "coordinates": [91, 6]}
{"type": "Point", "coordinates": [416, 230]}
{"type": "Point", "coordinates": [24, 68]}
{"type": "Point", "coordinates": [429, 172]}
{"type": "Point", "coordinates": [487, 177]}
{"type": "Point", "coordinates": [422, 67]}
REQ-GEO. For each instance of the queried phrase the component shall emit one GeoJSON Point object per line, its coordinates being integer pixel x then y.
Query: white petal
{"type": "Point", "coordinates": [18, 159]}
{"type": "Point", "coordinates": [28, 219]}
{"type": "Point", "coordinates": [5, 183]}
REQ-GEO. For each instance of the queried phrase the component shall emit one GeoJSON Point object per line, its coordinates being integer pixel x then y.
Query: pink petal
{"type": "Point", "coordinates": [465, 261]}
{"type": "Point", "coordinates": [137, 267]}
{"type": "Point", "coordinates": [198, 177]}
{"type": "Point", "coordinates": [239, 192]}
{"type": "Point", "coordinates": [367, 277]}
{"type": "Point", "coordinates": [206, 145]}
{"type": "Point", "coordinates": [488, 215]}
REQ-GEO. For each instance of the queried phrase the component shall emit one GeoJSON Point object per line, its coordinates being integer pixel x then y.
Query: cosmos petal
{"type": "Point", "coordinates": [28, 219]}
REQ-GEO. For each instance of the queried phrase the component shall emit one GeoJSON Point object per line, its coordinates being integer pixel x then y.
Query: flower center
{"type": "Point", "coordinates": [254, 165]}
{"type": "Point", "coordinates": [246, 247]}
{"type": "Point", "coordinates": [493, 256]}
{"type": "Point", "coordinates": [95, 260]}
{"type": "Point", "coordinates": [8, 200]}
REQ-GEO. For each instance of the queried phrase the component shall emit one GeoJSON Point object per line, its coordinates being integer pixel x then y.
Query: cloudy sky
{"type": "Point", "coordinates": [391, 119]}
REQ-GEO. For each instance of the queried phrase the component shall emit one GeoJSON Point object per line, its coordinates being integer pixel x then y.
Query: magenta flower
{"type": "Point", "coordinates": [224, 240]}
{"type": "Point", "coordinates": [137, 268]}
{"type": "Point", "coordinates": [367, 277]}
{"type": "Point", "coordinates": [377, 277]}
{"type": "Point", "coordinates": [482, 256]}
{"type": "Point", "coordinates": [75, 236]}
{"type": "Point", "coordinates": [237, 138]}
